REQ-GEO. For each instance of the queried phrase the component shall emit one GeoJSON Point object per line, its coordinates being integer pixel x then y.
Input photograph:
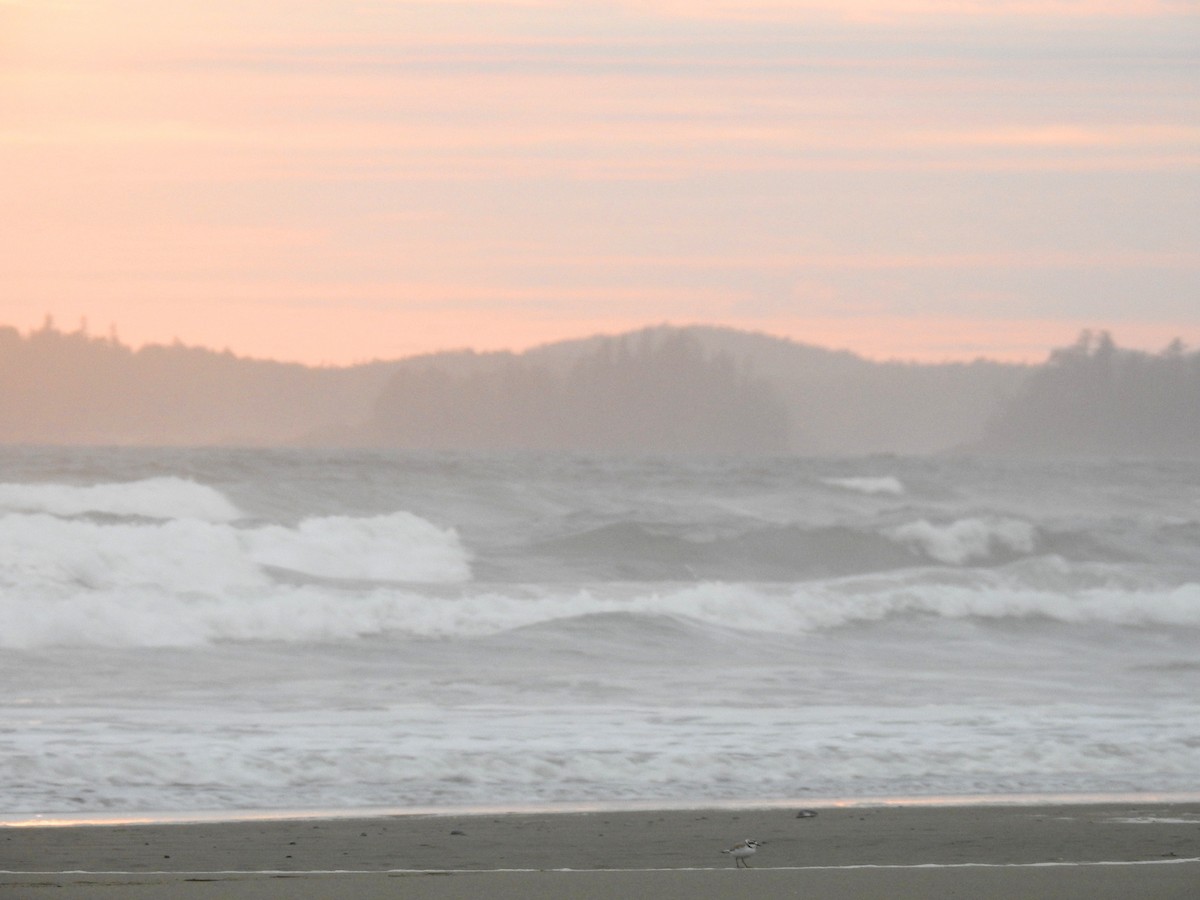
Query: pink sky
{"type": "Point", "coordinates": [334, 182]}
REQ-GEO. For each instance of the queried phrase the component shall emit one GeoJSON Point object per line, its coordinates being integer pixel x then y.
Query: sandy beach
{"type": "Point", "coordinates": [1094, 850]}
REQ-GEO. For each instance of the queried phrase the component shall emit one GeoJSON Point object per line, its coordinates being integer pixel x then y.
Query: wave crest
{"type": "Point", "coordinates": [186, 581]}
{"type": "Point", "coordinates": [151, 498]}
{"type": "Point", "coordinates": [881, 484]}
{"type": "Point", "coordinates": [968, 540]}
{"type": "Point", "coordinates": [274, 612]}
{"type": "Point", "coordinates": [395, 547]}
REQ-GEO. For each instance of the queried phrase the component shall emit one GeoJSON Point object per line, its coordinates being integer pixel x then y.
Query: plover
{"type": "Point", "coordinates": [742, 851]}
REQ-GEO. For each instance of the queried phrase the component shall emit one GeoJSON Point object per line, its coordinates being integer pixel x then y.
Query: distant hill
{"type": "Point", "coordinates": [1096, 399]}
{"type": "Point", "coordinates": [840, 403]}
{"type": "Point", "coordinates": [650, 392]}
{"type": "Point", "coordinates": [662, 389]}
{"type": "Point", "coordinates": [828, 401]}
{"type": "Point", "coordinates": [73, 388]}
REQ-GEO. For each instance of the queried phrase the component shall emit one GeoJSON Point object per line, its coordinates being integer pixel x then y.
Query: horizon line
{"type": "Point", "coordinates": [50, 325]}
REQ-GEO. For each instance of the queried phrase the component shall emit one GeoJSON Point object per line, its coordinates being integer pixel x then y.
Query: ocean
{"type": "Point", "coordinates": [245, 630]}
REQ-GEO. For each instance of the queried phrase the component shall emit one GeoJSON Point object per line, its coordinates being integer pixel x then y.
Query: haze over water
{"type": "Point", "coordinates": [232, 630]}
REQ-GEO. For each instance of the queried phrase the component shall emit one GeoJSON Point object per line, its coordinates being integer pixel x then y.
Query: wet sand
{"type": "Point", "coordinates": [1095, 850]}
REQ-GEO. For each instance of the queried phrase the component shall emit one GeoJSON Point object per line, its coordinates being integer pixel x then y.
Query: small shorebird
{"type": "Point", "coordinates": [742, 851]}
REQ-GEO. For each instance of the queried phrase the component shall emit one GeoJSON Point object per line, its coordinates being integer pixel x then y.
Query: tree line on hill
{"type": "Point", "coordinates": [1094, 398]}
{"type": "Point", "coordinates": [642, 395]}
{"type": "Point", "coordinates": [660, 390]}
{"type": "Point", "coordinates": [61, 387]}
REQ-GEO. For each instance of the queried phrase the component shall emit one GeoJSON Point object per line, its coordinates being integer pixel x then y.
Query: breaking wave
{"type": "Point", "coordinates": [306, 628]}
{"type": "Point", "coordinates": [264, 611]}
{"type": "Point", "coordinates": [151, 498]}
{"type": "Point", "coordinates": [651, 551]}
{"type": "Point", "coordinates": [883, 484]}
{"type": "Point", "coordinates": [968, 540]}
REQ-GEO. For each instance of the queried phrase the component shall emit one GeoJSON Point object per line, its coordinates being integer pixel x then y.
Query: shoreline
{"type": "Point", "coordinates": [842, 836]}
{"type": "Point", "coordinates": [1092, 850]}
{"type": "Point", "coordinates": [217, 816]}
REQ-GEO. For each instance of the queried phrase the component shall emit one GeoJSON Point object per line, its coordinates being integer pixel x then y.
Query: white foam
{"type": "Point", "coordinates": [885, 484]}
{"type": "Point", "coordinates": [259, 610]}
{"type": "Point", "coordinates": [70, 582]}
{"type": "Point", "coordinates": [131, 586]}
{"type": "Point", "coordinates": [154, 498]}
{"type": "Point", "coordinates": [1153, 820]}
{"type": "Point", "coordinates": [819, 607]}
{"type": "Point", "coordinates": [346, 681]}
{"type": "Point", "coordinates": [410, 753]}
{"type": "Point", "coordinates": [396, 547]}
{"type": "Point", "coordinates": [967, 540]}
{"type": "Point", "coordinates": [53, 557]}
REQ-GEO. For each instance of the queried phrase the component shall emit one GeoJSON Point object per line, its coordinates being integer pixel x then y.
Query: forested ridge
{"type": "Point", "coordinates": [72, 387]}
{"type": "Point", "coordinates": [641, 394]}
{"type": "Point", "coordinates": [1095, 398]}
{"type": "Point", "coordinates": [658, 390]}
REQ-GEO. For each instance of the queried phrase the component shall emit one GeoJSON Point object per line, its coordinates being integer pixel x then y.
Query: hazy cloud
{"type": "Point", "coordinates": [565, 159]}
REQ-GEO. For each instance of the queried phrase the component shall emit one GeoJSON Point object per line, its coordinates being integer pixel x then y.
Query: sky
{"type": "Point", "coordinates": [330, 181]}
